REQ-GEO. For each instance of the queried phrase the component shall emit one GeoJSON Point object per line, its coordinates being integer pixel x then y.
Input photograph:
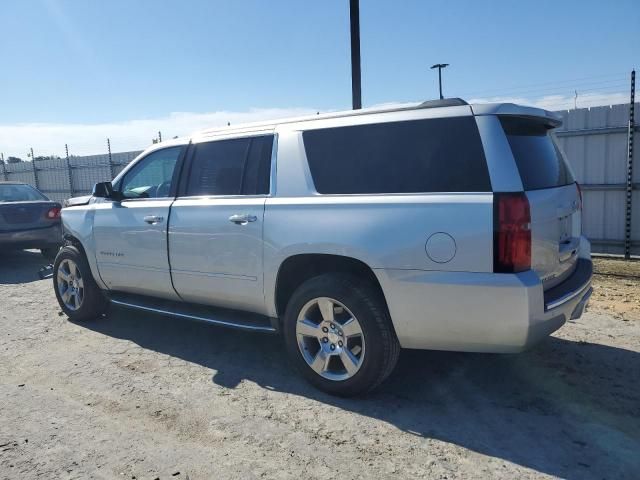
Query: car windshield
{"type": "Point", "coordinates": [19, 193]}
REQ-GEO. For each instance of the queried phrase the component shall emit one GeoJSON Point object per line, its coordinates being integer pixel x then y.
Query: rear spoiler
{"type": "Point", "coordinates": [550, 119]}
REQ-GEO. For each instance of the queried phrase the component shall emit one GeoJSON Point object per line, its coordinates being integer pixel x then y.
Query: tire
{"type": "Point", "coordinates": [50, 252]}
{"type": "Point", "coordinates": [377, 344]}
{"type": "Point", "coordinates": [88, 302]}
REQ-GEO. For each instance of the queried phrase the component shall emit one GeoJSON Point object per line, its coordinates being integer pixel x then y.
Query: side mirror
{"type": "Point", "coordinates": [103, 190]}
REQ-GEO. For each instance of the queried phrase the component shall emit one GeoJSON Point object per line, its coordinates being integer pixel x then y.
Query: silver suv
{"type": "Point", "coordinates": [441, 226]}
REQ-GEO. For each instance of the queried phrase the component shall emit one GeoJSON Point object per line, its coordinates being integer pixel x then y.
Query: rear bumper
{"type": "Point", "coordinates": [34, 238]}
{"type": "Point", "coordinates": [481, 312]}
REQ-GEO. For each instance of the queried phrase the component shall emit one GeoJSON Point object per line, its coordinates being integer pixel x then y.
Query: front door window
{"type": "Point", "coordinates": [152, 176]}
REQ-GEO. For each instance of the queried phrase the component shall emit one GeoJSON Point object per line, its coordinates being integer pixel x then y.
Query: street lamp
{"type": "Point", "coordinates": [440, 66]}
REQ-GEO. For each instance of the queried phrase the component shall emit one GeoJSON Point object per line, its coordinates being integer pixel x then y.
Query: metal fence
{"type": "Point", "coordinates": [596, 142]}
{"type": "Point", "coordinates": [594, 139]}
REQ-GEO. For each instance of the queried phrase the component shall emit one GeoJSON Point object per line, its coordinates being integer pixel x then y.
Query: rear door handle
{"type": "Point", "coordinates": [153, 219]}
{"type": "Point", "coordinates": [242, 219]}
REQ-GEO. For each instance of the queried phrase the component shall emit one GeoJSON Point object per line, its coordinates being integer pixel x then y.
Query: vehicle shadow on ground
{"type": "Point", "coordinates": [565, 409]}
{"type": "Point", "coordinates": [21, 266]}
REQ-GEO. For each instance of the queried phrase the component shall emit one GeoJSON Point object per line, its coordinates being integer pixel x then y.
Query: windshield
{"type": "Point", "coordinates": [19, 193]}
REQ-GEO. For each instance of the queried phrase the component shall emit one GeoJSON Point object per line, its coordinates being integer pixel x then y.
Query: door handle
{"type": "Point", "coordinates": [153, 219]}
{"type": "Point", "coordinates": [242, 219]}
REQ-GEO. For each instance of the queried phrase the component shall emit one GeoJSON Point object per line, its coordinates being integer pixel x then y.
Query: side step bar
{"type": "Point", "coordinates": [217, 316]}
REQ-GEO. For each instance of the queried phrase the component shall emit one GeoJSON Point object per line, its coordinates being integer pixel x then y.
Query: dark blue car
{"type": "Point", "coordinates": [28, 219]}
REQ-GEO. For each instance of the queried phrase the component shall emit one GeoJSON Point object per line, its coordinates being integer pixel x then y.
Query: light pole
{"type": "Point", "coordinates": [356, 89]}
{"type": "Point", "coordinates": [440, 66]}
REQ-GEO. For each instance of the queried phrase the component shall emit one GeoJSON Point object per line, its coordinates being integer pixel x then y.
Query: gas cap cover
{"type": "Point", "coordinates": [441, 247]}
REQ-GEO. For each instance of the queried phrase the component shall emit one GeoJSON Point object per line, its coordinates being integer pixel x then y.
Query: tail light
{"type": "Point", "coordinates": [512, 233]}
{"type": "Point", "coordinates": [52, 213]}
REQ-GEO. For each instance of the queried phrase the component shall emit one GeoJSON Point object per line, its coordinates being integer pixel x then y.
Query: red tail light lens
{"type": "Point", "coordinates": [512, 233]}
{"type": "Point", "coordinates": [53, 213]}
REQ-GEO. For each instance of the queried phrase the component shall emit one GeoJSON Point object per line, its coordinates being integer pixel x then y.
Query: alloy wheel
{"type": "Point", "coordinates": [70, 284]}
{"type": "Point", "coordinates": [330, 339]}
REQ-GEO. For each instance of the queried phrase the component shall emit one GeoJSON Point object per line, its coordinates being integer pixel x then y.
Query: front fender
{"type": "Point", "coordinates": [77, 223]}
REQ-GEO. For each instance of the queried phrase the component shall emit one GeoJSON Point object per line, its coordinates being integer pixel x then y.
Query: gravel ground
{"type": "Point", "coordinates": [618, 291]}
{"type": "Point", "coordinates": [138, 396]}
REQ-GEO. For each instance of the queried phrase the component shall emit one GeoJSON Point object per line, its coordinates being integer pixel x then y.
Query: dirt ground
{"type": "Point", "coordinates": [139, 396]}
{"type": "Point", "coordinates": [618, 291]}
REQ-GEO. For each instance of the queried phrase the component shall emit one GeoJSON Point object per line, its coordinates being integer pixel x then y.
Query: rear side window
{"type": "Point", "coordinates": [239, 166]}
{"type": "Point", "coordinates": [539, 161]}
{"type": "Point", "coordinates": [434, 155]}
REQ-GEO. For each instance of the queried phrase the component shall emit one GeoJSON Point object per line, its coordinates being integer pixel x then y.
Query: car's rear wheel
{"type": "Point", "coordinates": [76, 290]}
{"type": "Point", "coordinates": [339, 334]}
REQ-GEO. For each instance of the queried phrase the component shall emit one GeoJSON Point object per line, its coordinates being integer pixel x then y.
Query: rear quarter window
{"type": "Point", "coordinates": [539, 160]}
{"type": "Point", "coordinates": [433, 155]}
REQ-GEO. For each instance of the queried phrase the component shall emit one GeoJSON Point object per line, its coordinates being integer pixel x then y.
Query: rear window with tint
{"type": "Point", "coordinates": [434, 155]}
{"type": "Point", "coordinates": [11, 192]}
{"type": "Point", "coordinates": [539, 161]}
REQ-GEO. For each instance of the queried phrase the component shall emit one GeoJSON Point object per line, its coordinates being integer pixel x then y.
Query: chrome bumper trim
{"type": "Point", "coordinates": [568, 297]}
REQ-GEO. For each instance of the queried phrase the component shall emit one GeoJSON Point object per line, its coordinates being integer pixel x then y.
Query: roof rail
{"type": "Point", "coordinates": [447, 102]}
{"type": "Point", "coordinates": [444, 102]}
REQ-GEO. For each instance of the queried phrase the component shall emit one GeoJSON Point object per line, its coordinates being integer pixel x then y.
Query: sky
{"type": "Point", "coordinates": [77, 71]}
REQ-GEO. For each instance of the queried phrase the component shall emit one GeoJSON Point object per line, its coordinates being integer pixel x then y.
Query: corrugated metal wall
{"type": "Point", "coordinates": [595, 141]}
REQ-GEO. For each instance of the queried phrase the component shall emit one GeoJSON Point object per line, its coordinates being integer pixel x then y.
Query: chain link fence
{"type": "Point", "coordinates": [62, 178]}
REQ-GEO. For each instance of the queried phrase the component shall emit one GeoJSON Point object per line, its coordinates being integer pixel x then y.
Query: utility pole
{"type": "Point", "coordinates": [440, 66]}
{"type": "Point", "coordinates": [629, 189]}
{"type": "Point", "coordinates": [356, 85]}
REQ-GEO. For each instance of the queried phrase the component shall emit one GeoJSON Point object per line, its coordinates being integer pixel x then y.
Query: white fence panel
{"type": "Point", "coordinates": [595, 141]}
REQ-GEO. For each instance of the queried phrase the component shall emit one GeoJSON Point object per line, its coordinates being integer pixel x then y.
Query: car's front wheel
{"type": "Point", "coordinates": [339, 334]}
{"type": "Point", "coordinates": [76, 290]}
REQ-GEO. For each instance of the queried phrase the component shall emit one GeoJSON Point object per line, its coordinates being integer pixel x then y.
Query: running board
{"type": "Point", "coordinates": [218, 316]}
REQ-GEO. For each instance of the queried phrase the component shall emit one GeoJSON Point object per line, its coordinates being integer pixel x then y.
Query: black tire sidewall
{"type": "Point", "coordinates": [364, 303]}
{"type": "Point", "coordinates": [93, 303]}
